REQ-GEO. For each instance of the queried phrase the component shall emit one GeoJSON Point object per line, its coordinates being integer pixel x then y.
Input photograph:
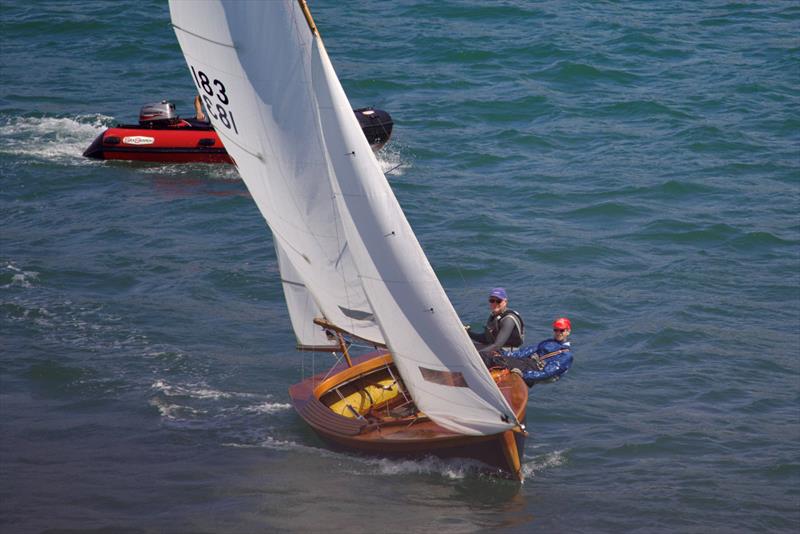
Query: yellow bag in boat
{"type": "Point", "coordinates": [364, 399]}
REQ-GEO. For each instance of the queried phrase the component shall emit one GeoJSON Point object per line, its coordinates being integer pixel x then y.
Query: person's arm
{"type": "Point", "coordinates": [507, 326]}
{"type": "Point", "coordinates": [521, 353]}
{"type": "Point", "coordinates": [476, 336]}
{"type": "Point", "coordinates": [198, 109]}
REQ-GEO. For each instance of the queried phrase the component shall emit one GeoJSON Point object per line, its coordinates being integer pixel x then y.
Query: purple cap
{"type": "Point", "coordinates": [499, 292]}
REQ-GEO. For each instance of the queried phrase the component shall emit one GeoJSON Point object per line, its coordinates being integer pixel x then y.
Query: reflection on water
{"type": "Point", "coordinates": [173, 186]}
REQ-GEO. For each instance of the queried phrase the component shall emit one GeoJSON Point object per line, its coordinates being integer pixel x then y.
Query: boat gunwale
{"type": "Point", "coordinates": [350, 374]}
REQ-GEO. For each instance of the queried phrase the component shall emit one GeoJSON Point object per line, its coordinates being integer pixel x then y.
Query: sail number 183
{"type": "Point", "coordinates": [215, 88]}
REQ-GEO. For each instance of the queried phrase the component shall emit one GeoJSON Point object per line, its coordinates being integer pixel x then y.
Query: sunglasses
{"type": "Point", "coordinates": [495, 301]}
{"type": "Point", "coordinates": [560, 330]}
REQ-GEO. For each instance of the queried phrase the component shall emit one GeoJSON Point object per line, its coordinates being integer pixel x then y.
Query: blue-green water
{"type": "Point", "coordinates": [632, 165]}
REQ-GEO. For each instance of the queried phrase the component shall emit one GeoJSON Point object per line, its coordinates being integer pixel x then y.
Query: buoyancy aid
{"type": "Point", "coordinates": [517, 335]}
{"type": "Point", "coordinates": [551, 345]}
{"type": "Point", "coordinates": [556, 359]}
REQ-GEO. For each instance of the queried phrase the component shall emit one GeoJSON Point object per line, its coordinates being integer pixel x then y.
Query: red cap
{"type": "Point", "coordinates": [562, 323]}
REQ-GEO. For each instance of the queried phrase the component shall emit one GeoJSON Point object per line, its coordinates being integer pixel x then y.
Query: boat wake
{"type": "Point", "coordinates": [457, 469]}
{"type": "Point", "coordinates": [197, 390]}
{"type": "Point", "coordinates": [57, 139]}
{"type": "Point", "coordinates": [391, 160]}
{"type": "Point", "coordinates": [177, 173]}
{"type": "Point", "coordinates": [196, 404]}
{"type": "Point", "coordinates": [542, 462]}
{"type": "Point", "coordinates": [272, 443]}
{"type": "Point", "coordinates": [18, 277]}
{"type": "Point", "coordinates": [30, 301]}
{"type": "Point", "coordinates": [175, 411]}
{"type": "Point", "coordinates": [269, 407]}
{"type": "Point", "coordinates": [62, 140]}
{"type": "Point", "coordinates": [453, 469]}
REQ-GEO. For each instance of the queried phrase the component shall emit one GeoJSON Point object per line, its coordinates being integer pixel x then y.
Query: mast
{"type": "Point", "coordinates": [309, 18]}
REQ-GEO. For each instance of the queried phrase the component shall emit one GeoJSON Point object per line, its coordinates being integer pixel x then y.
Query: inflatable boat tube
{"type": "Point", "coordinates": [188, 141]}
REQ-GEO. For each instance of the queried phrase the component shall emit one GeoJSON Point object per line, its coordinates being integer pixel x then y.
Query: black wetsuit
{"type": "Point", "coordinates": [505, 329]}
{"type": "Point", "coordinates": [197, 123]}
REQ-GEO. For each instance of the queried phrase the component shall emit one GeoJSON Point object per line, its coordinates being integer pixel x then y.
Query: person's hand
{"type": "Point", "coordinates": [200, 116]}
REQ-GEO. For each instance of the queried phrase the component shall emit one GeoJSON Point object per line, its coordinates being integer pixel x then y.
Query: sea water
{"type": "Point", "coordinates": [634, 166]}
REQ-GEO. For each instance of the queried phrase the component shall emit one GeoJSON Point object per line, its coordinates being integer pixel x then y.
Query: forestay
{"type": "Point", "coordinates": [273, 95]}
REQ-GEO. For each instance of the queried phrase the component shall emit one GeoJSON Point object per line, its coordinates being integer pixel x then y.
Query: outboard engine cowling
{"type": "Point", "coordinates": [158, 115]}
{"type": "Point", "coordinates": [376, 125]}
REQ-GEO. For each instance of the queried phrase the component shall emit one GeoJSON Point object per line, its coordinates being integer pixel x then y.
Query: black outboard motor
{"type": "Point", "coordinates": [376, 124]}
{"type": "Point", "coordinates": [158, 115]}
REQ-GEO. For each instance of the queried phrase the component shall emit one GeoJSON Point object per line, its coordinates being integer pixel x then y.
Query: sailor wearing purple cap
{"type": "Point", "coordinates": [504, 328]}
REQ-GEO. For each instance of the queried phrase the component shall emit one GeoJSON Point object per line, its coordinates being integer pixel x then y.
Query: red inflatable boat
{"type": "Point", "coordinates": [162, 136]}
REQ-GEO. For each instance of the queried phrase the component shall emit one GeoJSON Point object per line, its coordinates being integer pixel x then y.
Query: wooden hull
{"type": "Point", "coordinates": [383, 433]}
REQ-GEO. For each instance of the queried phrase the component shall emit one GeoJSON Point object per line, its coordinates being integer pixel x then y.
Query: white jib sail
{"type": "Point", "coordinates": [279, 83]}
{"type": "Point", "coordinates": [302, 308]}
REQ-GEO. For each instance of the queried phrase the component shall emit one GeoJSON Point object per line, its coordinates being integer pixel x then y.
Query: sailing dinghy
{"type": "Point", "coordinates": [350, 264]}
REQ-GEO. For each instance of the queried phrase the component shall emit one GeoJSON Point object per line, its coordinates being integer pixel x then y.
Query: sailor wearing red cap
{"type": "Point", "coordinates": [562, 328]}
{"type": "Point", "coordinates": [547, 361]}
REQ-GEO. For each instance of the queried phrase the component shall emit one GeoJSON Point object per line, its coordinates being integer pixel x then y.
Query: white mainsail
{"type": "Point", "coordinates": [257, 94]}
{"type": "Point", "coordinates": [274, 97]}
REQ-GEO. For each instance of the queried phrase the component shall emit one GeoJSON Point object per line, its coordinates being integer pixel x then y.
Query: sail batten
{"type": "Point", "coordinates": [339, 231]}
{"type": "Point", "coordinates": [202, 37]}
{"type": "Point", "coordinates": [230, 141]}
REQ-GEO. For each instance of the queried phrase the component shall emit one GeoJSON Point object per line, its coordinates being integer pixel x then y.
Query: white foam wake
{"type": "Point", "coordinates": [175, 411]}
{"type": "Point", "coordinates": [543, 461]}
{"type": "Point", "coordinates": [57, 139]}
{"type": "Point", "coordinates": [197, 390]}
{"type": "Point", "coordinates": [453, 469]}
{"type": "Point", "coordinates": [391, 161]}
{"type": "Point", "coordinates": [20, 278]}
{"type": "Point", "coordinates": [198, 404]}
{"type": "Point", "coordinates": [271, 443]}
{"type": "Point", "coordinates": [269, 407]}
